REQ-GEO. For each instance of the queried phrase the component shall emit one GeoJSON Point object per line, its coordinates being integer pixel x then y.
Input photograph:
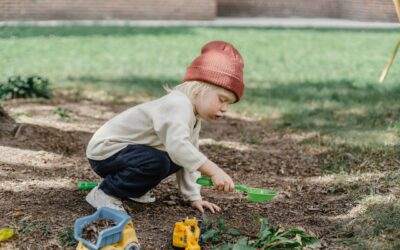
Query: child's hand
{"type": "Point", "coordinates": [222, 181]}
{"type": "Point", "coordinates": [200, 205]}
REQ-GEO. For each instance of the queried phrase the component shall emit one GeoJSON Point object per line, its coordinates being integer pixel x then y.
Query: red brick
{"type": "Point", "coordinates": [107, 9]}
{"type": "Point", "coordinates": [363, 10]}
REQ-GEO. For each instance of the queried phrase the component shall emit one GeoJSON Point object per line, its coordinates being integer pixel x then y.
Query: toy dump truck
{"type": "Point", "coordinates": [186, 234]}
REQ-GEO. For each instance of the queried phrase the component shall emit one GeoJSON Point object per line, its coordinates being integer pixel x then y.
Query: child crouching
{"type": "Point", "coordinates": [134, 151]}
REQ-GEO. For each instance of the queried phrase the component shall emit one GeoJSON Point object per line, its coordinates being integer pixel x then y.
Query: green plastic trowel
{"type": "Point", "coordinates": [253, 194]}
{"type": "Point", "coordinates": [86, 185]}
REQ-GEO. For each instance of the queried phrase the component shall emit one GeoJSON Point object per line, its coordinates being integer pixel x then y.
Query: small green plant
{"type": "Point", "coordinates": [29, 87]}
{"type": "Point", "coordinates": [218, 231]}
{"type": "Point", "coordinates": [66, 237]}
{"type": "Point", "coordinates": [27, 227]}
{"type": "Point", "coordinates": [62, 113]}
{"type": "Point", "coordinates": [224, 238]}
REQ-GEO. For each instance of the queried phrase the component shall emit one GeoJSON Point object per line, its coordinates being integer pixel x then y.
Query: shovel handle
{"type": "Point", "coordinates": [206, 181]}
{"type": "Point", "coordinates": [86, 185]}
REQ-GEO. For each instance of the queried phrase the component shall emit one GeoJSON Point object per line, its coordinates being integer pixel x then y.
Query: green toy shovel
{"type": "Point", "coordinates": [86, 185]}
{"type": "Point", "coordinates": [253, 194]}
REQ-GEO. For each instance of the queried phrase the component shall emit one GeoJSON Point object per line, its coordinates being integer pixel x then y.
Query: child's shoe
{"type": "Point", "coordinates": [97, 198]}
{"type": "Point", "coordinates": [146, 198]}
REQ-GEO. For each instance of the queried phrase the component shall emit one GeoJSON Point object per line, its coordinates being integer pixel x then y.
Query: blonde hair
{"type": "Point", "coordinates": [191, 88]}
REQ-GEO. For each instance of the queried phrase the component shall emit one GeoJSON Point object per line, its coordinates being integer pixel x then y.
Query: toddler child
{"type": "Point", "coordinates": [134, 151]}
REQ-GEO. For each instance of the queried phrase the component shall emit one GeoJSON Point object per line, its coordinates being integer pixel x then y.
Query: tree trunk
{"type": "Point", "coordinates": [7, 124]}
{"type": "Point", "coordinates": [4, 115]}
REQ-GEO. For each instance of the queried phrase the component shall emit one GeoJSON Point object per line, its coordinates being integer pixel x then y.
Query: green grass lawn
{"type": "Point", "coordinates": [327, 76]}
{"type": "Point", "coordinates": [307, 80]}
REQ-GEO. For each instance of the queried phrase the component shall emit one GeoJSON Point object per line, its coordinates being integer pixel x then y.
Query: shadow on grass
{"type": "Point", "coordinates": [361, 121]}
{"type": "Point", "coordinates": [330, 105]}
{"type": "Point", "coordinates": [85, 31]}
{"type": "Point", "coordinates": [347, 158]}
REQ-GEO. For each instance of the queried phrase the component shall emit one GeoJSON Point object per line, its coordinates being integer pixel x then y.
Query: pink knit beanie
{"type": "Point", "coordinates": [221, 64]}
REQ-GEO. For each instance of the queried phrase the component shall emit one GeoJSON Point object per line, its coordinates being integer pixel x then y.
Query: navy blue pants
{"type": "Point", "coordinates": [133, 171]}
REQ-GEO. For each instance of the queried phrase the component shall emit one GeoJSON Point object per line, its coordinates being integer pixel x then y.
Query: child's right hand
{"type": "Point", "coordinates": [222, 181]}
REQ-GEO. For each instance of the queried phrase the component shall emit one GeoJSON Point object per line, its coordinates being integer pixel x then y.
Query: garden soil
{"type": "Point", "coordinates": [44, 157]}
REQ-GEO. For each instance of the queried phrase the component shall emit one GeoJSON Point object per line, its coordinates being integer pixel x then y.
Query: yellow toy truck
{"type": "Point", "coordinates": [186, 234]}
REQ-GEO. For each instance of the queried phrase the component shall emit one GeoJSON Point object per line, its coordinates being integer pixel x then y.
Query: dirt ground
{"type": "Point", "coordinates": [45, 157]}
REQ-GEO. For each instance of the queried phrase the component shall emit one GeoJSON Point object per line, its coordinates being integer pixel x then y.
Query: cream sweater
{"type": "Point", "coordinates": [168, 124]}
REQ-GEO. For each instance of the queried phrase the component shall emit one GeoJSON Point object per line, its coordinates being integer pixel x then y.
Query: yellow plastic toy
{"type": "Point", "coordinates": [186, 234]}
{"type": "Point", "coordinates": [129, 240]}
{"type": "Point", "coordinates": [6, 233]}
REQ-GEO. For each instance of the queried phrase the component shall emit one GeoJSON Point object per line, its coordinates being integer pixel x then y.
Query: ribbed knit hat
{"type": "Point", "coordinates": [221, 64]}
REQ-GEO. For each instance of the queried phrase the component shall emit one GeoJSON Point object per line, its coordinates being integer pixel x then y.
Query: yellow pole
{"type": "Point", "coordinates": [393, 56]}
{"type": "Point", "coordinates": [397, 6]}
{"type": "Point", "coordinates": [391, 60]}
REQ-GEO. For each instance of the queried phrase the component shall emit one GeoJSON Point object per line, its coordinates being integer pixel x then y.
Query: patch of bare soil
{"type": "Point", "coordinates": [41, 161]}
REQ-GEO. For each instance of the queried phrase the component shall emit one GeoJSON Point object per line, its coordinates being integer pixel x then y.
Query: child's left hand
{"type": "Point", "coordinates": [201, 204]}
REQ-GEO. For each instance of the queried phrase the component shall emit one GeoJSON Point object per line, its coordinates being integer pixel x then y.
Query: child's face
{"type": "Point", "coordinates": [213, 103]}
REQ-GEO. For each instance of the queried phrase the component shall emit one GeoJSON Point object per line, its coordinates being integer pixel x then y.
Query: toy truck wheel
{"type": "Point", "coordinates": [132, 246]}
